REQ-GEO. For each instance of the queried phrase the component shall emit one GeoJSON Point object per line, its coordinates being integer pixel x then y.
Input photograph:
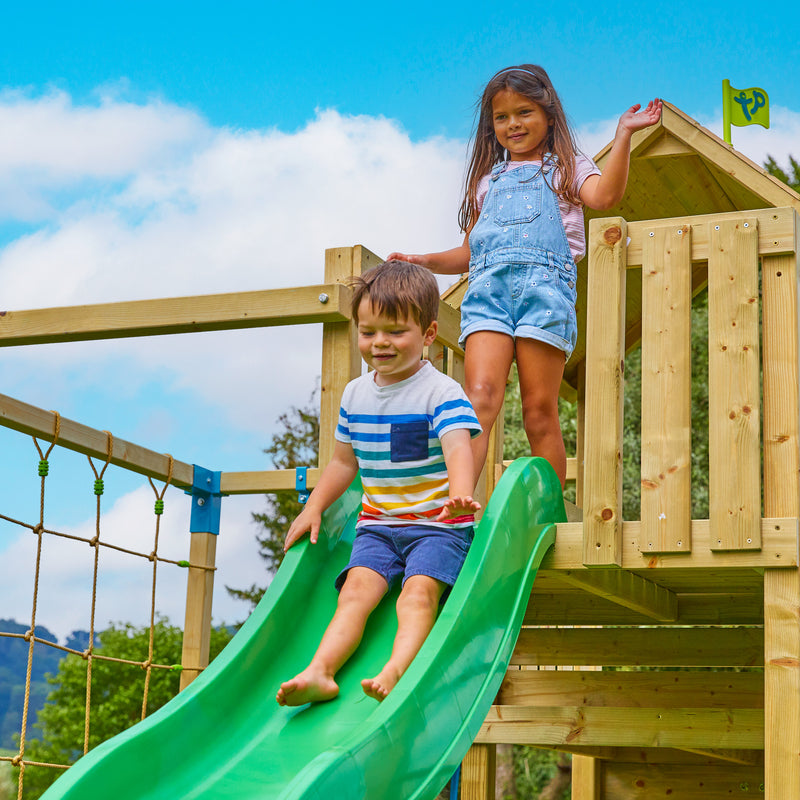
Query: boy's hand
{"type": "Point", "coordinates": [458, 507]}
{"type": "Point", "coordinates": [307, 520]}
{"type": "Point", "coordinates": [632, 121]}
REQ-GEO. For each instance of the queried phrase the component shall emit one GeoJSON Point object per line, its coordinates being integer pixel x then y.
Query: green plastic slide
{"type": "Point", "coordinates": [226, 737]}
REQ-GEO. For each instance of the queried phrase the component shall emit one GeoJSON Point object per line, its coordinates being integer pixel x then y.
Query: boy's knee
{"type": "Point", "coordinates": [421, 591]}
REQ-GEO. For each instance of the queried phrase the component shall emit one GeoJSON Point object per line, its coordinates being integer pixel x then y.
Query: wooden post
{"type": "Point", "coordinates": [581, 428]}
{"type": "Point", "coordinates": [666, 391]}
{"type": "Point", "coordinates": [779, 277]}
{"type": "Point", "coordinates": [605, 353]}
{"type": "Point", "coordinates": [733, 387]}
{"type": "Point", "coordinates": [341, 361]}
{"type": "Point", "coordinates": [477, 773]}
{"type": "Point", "coordinates": [199, 594]}
{"type": "Point", "coordinates": [586, 778]}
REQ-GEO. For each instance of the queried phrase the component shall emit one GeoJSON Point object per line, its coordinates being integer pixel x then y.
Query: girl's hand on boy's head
{"type": "Point", "coordinates": [307, 520]}
{"type": "Point", "coordinates": [634, 119]}
{"type": "Point", "coordinates": [411, 259]}
{"type": "Point", "coordinates": [458, 507]}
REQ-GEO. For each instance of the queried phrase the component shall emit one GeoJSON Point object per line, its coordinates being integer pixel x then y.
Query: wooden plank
{"type": "Point", "coordinates": [752, 757]}
{"type": "Point", "coordinates": [643, 782]}
{"type": "Point", "coordinates": [778, 549]}
{"type": "Point", "coordinates": [666, 391]}
{"type": "Point", "coordinates": [199, 595]}
{"type": "Point", "coordinates": [667, 755]}
{"type": "Point", "coordinates": [73, 435]}
{"type": "Point", "coordinates": [734, 391]}
{"type": "Point", "coordinates": [776, 232]}
{"type": "Point", "coordinates": [625, 589]}
{"type": "Point", "coordinates": [449, 327]}
{"type": "Point", "coordinates": [702, 608]}
{"type": "Point", "coordinates": [665, 146]}
{"type": "Point", "coordinates": [341, 361]}
{"type": "Point", "coordinates": [730, 728]}
{"type": "Point", "coordinates": [604, 363]}
{"type": "Point", "coordinates": [628, 647]}
{"type": "Point", "coordinates": [529, 689]}
{"type": "Point", "coordinates": [782, 683]}
{"type": "Point", "coordinates": [296, 306]}
{"type": "Point", "coordinates": [478, 772]}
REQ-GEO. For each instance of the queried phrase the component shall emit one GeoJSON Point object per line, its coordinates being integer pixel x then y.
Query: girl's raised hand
{"type": "Point", "coordinates": [634, 120]}
{"type": "Point", "coordinates": [412, 259]}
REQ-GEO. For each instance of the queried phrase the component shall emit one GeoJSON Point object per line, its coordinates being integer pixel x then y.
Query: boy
{"type": "Point", "coordinates": [407, 428]}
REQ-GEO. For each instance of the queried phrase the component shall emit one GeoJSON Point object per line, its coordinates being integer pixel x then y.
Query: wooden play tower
{"type": "Point", "coordinates": [710, 608]}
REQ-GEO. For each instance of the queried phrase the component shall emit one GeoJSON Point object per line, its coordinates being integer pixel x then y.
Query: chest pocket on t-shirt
{"type": "Point", "coordinates": [409, 440]}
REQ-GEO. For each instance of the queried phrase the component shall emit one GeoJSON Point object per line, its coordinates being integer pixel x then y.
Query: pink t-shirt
{"type": "Point", "coordinates": [571, 215]}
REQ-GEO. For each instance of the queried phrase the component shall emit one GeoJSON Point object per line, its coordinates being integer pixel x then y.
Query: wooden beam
{"type": "Point", "coordinates": [776, 232]}
{"type": "Point", "coordinates": [296, 306]}
{"type": "Point", "coordinates": [605, 331]}
{"type": "Point", "coordinates": [750, 757]}
{"type": "Point", "coordinates": [642, 782]}
{"type": "Point", "coordinates": [733, 387]}
{"type": "Point", "coordinates": [276, 480]}
{"type": "Point", "coordinates": [73, 435]}
{"type": "Point", "coordinates": [199, 596]}
{"type": "Point", "coordinates": [625, 589]}
{"type": "Point", "coordinates": [778, 549]}
{"type": "Point", "coordinates": [587, 778]}
{"type": "Point", "coordinates": [666, 438]}
{"type": "Point", "coordinates": [637, 646]}
{"type": "Point", "coordinates": [729, 728]}
{"type": "Point", "coordinates": [478, 773]}
{"type": "Point", "coordinates": [525, 690]}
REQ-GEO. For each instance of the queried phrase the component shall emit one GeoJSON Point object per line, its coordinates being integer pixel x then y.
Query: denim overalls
{"type": "Point", "coordinates": [521, 270]}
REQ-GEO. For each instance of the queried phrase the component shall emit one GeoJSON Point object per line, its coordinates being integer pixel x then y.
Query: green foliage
{"type": "Point", "coordinates": [536, 770]}
{"type": "Point", "coordinates": [793, 180]}
{"type": "Point", "coordinates": [295, 445]}
{"type": "Point", "coordinates": [116, 697]}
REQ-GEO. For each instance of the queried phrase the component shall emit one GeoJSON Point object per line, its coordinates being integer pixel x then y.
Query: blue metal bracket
{"type": "Point", "coordinates": [206, 501]}
{"type": "Point", "coordinates": [301, 483]}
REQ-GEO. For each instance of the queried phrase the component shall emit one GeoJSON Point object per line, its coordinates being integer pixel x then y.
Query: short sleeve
{"type": "Point", "coordinates": [453, 411]}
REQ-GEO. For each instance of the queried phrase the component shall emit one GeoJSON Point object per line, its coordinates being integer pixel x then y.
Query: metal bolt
{"type": "Point", "coordinates": [323, 298]}
{"type": "Point", "coordinates": [201, 501]}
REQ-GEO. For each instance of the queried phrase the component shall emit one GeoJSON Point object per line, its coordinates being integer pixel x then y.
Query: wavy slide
{"type": "Point", "coordinates": [225, 737]}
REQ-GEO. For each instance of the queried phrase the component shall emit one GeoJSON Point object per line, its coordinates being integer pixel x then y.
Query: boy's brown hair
{"type": "Point", "coordinates": [398, 289]}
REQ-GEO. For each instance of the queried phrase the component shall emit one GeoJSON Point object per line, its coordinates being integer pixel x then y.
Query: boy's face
{"type": "Point", "coordinates": [392, 347]}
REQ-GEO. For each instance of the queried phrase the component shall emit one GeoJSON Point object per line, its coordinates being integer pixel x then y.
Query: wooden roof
{"type": "Point", "coordinates": [678, 169]}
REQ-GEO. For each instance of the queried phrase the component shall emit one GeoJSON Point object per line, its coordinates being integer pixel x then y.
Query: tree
{"type": "Point", "coordinates": [771, 166]}
{"type": "Point", "coordinates": [116, 697]}
{"type": "Point", "coordinates": [295, 445]}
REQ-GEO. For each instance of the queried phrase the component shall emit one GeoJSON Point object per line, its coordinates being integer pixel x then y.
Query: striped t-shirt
{"type": "Point", "coordinates": [395, 434]}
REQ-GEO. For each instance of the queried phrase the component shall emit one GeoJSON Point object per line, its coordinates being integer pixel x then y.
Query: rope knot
{"type": "Point", "coordinates": [93, 542]}
{"type": "Point", "coordinates": [152, 556]}
{"type": "Point", "coordinates": [147, 664]}
{"type": "Point", "coordinates": [17, 760]}
{"type": "Point", "coordinates": [28, 635]}
{"type": "Point", "coordinates": [38, 529]}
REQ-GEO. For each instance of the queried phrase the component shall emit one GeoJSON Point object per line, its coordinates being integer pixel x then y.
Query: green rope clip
{"type": "Point", "coordinates": [177, 667]}
{"type": "Point", "coordinates": [184, 564]}
{"type": "Point", "coordinates": [44, 468]}
{"type": "Point", "coordinates": [98, 486]}
{"type": "Point", "coordinates": [159, 506]}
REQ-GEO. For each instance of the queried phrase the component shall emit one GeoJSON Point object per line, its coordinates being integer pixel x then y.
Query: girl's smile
{"type": "Point", "coordinates": [520, 125]}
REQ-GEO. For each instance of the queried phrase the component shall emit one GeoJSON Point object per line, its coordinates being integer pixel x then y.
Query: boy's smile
{"type": "Point", "coordinates": [392, 347]}
{"type": "Point", "coordinates": [520, 125]}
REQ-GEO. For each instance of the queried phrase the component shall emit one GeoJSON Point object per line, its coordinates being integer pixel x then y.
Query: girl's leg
{"type": "Point", "coordinates": [362, 591]}
{"type": "Point", "coordinates": [541, 368]}
{"type": "Point", "coordinates": [487, 361]}
{"type": "Point", "coordinates": [417, 607]}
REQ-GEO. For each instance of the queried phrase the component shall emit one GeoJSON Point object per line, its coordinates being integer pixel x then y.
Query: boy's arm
{"type": "Point", "coordinates": [457, 451]}
{"type": "Point", "coordinates": [604, 191]}
{"type": "Point", "coordinates": [333, 481]}
{"type": "Point", "coordinates": [449, 262]}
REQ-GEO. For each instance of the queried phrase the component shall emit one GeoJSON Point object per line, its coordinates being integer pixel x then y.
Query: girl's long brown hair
{"type": "Point", "coordinates": [534, 83]}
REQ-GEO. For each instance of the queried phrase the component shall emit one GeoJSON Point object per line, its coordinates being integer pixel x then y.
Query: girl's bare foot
{"type": "Point", "coordinates": [383, 683]}
{"type": "Point", "coordinates": [308, 686]}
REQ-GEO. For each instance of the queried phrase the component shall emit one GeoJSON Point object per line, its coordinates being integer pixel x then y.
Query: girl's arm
{"type": "Point", "coordinates": [335, 478]}
{"type": "Point", "coordinates": [448, 262]}
{"type": "Point", "coordinates": [458, 457]}
{"type": "Point", "coordinates": [602, 192]}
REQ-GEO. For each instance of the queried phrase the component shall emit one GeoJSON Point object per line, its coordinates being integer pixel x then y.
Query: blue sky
{"type": "Point", "coordinates": [173, 148]}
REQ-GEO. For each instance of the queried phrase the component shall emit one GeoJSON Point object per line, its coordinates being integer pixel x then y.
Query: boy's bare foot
{"type": "Point", "coordinates": [380, 686]}
{"type": "Point", "coordinates": [308, 686]}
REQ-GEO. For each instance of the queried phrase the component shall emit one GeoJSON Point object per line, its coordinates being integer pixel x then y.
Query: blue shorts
{"type": "Point", "coordinates": [534, 299]}
{"type": "Point", "coordinates": [395, 550]}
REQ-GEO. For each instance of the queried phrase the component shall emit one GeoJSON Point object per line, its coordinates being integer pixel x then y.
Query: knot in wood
{"type": "Point", "coordinates": [606, 514]}
{"type": "Point", "coordinates": [612, 235]}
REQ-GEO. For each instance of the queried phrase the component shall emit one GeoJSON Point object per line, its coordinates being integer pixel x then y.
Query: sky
{"type": "Point", "coordinates": [174, 148]}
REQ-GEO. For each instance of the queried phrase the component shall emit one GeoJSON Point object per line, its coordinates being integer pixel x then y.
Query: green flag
{"type": "Point", "coordinates": [743, 107]}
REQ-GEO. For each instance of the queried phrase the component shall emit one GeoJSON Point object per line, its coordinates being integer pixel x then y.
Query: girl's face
{"type": "Point", "coordinates": [520, 125]}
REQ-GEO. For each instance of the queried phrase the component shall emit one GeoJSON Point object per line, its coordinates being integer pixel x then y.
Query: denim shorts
{"type": "Point", "coordinates": [534, 299]}
{"type": "Point", "coordinates": [395, 550]}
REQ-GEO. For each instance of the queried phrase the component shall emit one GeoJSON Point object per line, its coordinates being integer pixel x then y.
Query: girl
{"type": "Point", "coordinates": [523, 218]}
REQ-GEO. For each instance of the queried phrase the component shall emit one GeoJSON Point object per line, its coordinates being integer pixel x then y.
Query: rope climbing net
{"type": "Point", "coordinates": [92, 654]}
